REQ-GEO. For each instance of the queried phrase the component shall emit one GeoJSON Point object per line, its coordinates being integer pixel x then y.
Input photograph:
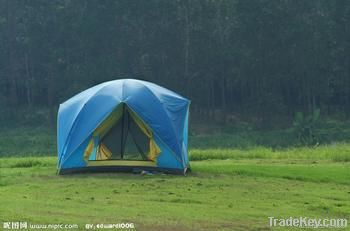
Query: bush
{"type": "Point", "coordinates": [305, 127]}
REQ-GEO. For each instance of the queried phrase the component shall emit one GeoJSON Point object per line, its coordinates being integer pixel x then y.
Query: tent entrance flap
{"type": "Point", "coordinates": [123, 136]}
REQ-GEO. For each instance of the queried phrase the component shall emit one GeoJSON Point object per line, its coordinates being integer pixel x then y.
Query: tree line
{"type": "Point", "coordinates": [232, 58]}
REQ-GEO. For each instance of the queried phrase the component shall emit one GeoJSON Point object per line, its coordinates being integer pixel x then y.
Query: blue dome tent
{"type": "Point", "coordinates": [123, 125]}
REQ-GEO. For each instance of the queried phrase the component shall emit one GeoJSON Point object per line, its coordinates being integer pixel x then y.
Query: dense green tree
{"type": "Point", "coordinates": [256, 59]}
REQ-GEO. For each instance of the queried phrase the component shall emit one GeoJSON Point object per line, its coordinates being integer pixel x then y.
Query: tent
{"type": "Point", "coordinates": [123, 125]}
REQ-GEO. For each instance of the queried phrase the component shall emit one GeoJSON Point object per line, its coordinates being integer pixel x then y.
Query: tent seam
{"type": "Point", "coordinates": [161, 103]}
{"type": "Point", "coordinates": [76, 118]}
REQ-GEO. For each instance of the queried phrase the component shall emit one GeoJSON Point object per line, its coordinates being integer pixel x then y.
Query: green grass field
{"type": "Point", "coordinates": [228, 189]}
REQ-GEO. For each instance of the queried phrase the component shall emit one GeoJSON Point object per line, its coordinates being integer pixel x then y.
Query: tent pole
{"type": "Point", "coordinates": [122, 136]}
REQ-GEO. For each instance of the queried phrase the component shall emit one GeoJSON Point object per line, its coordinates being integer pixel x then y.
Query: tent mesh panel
{"type": "Point", "coordinates": [125, 139]}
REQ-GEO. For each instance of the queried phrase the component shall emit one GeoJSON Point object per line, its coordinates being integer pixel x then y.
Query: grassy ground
{"type": "Point", "coordinates": [229, 189]}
